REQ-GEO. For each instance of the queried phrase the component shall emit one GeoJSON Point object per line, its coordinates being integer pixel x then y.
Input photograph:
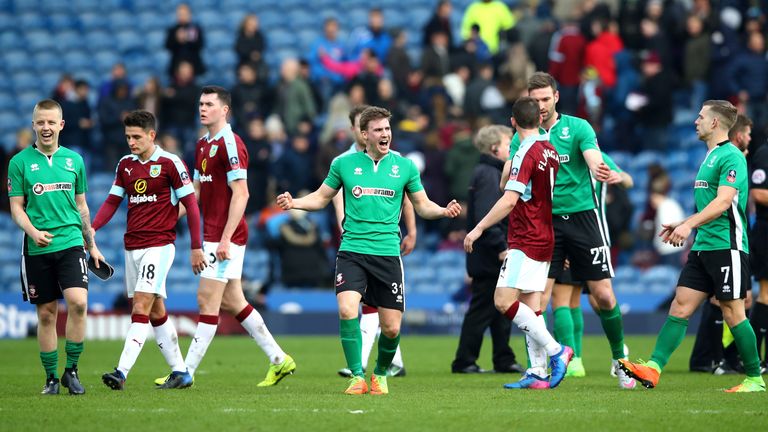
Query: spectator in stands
{"type": "Point", "coordinates": [435, 60]}
{"type": "Point", "coordinates": [170, 144]}
{"type": "Point", "coordinates": [373, 37]}
{"type": "Point", "coordinates": [512, 80]}
{"type": "Point", "coordinates": [327, 81]}
{"type": "Point", "coordinates": [460, 162]}
{"type": "Point", "coordinates": [748, 79]}
{"type": "Point", "coordinates": [184, 41]}
{"type": "Point", "coordinates": [599, 57]}
{"type": "Point", "coordinates": [179, 119]}
{"type": "Point", "coordinates": [24, 139]}
{"type": "Point", "coordinates": [250, 43]}
{"type": "Point", "coordinates": [493, 17]}
{"type": "Point", "coordinates": [293, 171]}
{"type": "Point", "coordinates": [275, 136]}
{"type": "Point", "coordinates": [294, 100]}
{"type": "Point", "coordinates": [474, 105]}
{"type": "Point", "coordinates": [302, 255]}
{"type": "Point", "coordinates": [353, 68]}
{"type": "Point", "coordinates": [64, 90]}
{"type": "Point", "coordinates": [667, 211]}
{"type": "Point", "coordinates": [654, 103]}
{"type": "Point", "coordinates": [566, 60]}
{"type": "Point", "coordinates": [386, 98]}
{"type": "Point", "coordinates": [696, 60]}
{"type": "Point", "coordinates": [150, 97]}
{"type": "Point", "coordinates": [259, 165]}
{"type": "Point", "coordinates": [456, 84]}
{"type": "Point", "coordinates": [250, 96]}
{"type": "Point", "coordinates": [440, 22]}
{"type": "Point", "coordinates": [118, 74]}
{"type": "Point", "coordinates": [400, 66]}
{"type": "Point", "coordinates": [483, 265]}
{"type": "Point", "coordinates": [112, 110]}
{"type": "Point", "coordinates": [78, 118]}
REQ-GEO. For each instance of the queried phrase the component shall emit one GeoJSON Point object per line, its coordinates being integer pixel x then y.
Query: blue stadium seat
{"type": "Point", "coordinates": [40, 40]}
{"type": "Point", "coordinates": [92, 6]}
{"type": "Point", "coordinates": [234, 16]}
{"type": "Point", "coordinates": [128, 40]}
{"type": "Point", "coordinates": [306, 38]}
{"type": "Point", "coordinates": [9, 120]}
{"type": "Point", "coordinates": [76, 61]}
{"type": "Point", "coordinates": [46, 61]}
{"type": "Point", "coordinates": [356, 18]}
{"type": "Point", "coordinates": [54, 6]}
{"type": "Point", "coordinates": [63, 21]}
{"type": "Point", "coordinates": [105, 59]}
{"type": "Point", "coordinates": [92, 21]}
{"type": "Point", "coordinates": [99, 40]}
{"type": "Point", "coordinates": [18, 61]}
{"type": "Point", "coordinates": [6, 102]}
{"type": "Point", "coordinates": [69, 41]}
{"type": "Point", "coordinates": [154, 39]}
{"type": "Point", "coordinates": [25, 81]}
{"type": "Point", "coordinates": [270, 20]}
{"type": "Point", "coordinates": [280, 38]}
{"type": "Point", "coordinates": [153, 21]}
{"type": "Point", "coordinates": [220, 39]}
{"type": "Point", "coordinates": [300, 19]}
{"type": "Point", "coordinates": [121, 20]}
{"type": "Point", "coordinates": [31, 20]}
{"type": "Point", "coordinates": [9, 39]}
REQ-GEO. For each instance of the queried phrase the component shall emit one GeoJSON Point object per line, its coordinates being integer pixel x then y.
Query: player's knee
{"type": "Point", "coordinates": [681, 308]}
{"type": "Point", "coordinates": [77, 308]}
{"type": "Point", "coordinates": [46, 317]}
{"type": "Point", "coordinates": [347, 311]}
{"type": "Point", "coordinates": [390, 330]}
{"type": "Point", "coordinates": [733, 312]}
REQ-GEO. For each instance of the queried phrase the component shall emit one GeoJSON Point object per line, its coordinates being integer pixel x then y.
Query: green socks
{"type": "Point", "coordinates": [387, 349]}
{"type": "Point", "coordinates": [564, 326]}
{"type": "Point", "coordinates": [578, 330]}
{"type": "Point", "coordinates": [50, 362]}
{"type": "Point", "coordinates": [73, 349]}
{"type": "Point", "coordinates": [351, 343]}
{"type": "Point", "coordinates": [746, 342]}
{"type": "Point", "coordinates": [670, 337]}
{"type": "Point", "coordinates": [613, 327]}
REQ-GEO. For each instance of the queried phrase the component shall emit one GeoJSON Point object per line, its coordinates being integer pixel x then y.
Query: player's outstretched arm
{"type": "Point", "coordinates": [505, 174]}
{"type": "Point", "coordinates": [88, 231]}
{"type": "Point", "coordinates": [236, 211]}
{"type": "Point", "coordinates": [409, 241]}
{"type": "Point", "coordinates": [338, 208]}
{"type": "Point", "coordinates": [429, 210]}
{"type": "Point", "coordinates": [499, 211]}
{"type": "Point", "coordinates": [600, 171]}
{"type": "Point", "coordinates": [676, 234]}
{"type": "Point", "coordinates": [317, 200]}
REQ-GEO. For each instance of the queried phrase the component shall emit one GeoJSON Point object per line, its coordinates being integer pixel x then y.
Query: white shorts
{"type": "Point", "coordinates": [147, 269]}
{"type": "Point", "coordinates": [519, 271]}
{"type": "Point", "coordinates": [224, 270]}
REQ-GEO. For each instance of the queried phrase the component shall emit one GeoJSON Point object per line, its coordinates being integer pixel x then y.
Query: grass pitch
{"type": "Point", "coordinates": [225, 396]}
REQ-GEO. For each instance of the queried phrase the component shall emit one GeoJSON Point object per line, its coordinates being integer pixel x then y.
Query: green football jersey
{"type": "Point", "coordinates": [48, 185]}
{"type": "Point", "coordinates": [724, 165]}
{"type": "Point", "coordinates": [574, 187]}
{"type": "Point", "coordinates": [373, 197]}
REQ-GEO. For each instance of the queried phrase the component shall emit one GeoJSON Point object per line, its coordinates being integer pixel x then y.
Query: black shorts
{"type": "Point", "coordinates": [379, 279]}
{"type": "Point", "coordinates": [582, 238]}
{"type": "Point", "coordinates": [44, 277]}
{"type": "Point", "coordinates": [566, 278]}
{"type": "Point", "coordinates": [758, 254]}
{"type": "Point", "coordinates": [722, 273]}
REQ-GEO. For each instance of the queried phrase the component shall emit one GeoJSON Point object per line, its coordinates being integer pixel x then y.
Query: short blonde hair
{"type": "Point", "coordinates": [724, 111]}
{"type": "Point", "coordinates": [488, 138]}
{"type": "Point", "coordinates": [47, 104]}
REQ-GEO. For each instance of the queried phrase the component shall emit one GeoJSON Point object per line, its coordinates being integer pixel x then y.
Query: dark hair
{"type": "Point", "coordinates": [742, 122]}
{"type": "Point", "coordinates": [356, 111]}
{"type": "Point", "coordinates": [140, 118]}
{"type": "Point", "coordinates": [224, 96]}
{"type": "Point", "coordinates": [371, 114]}
{"type": "Point", "coordinates": [48, 104]}
{"type": "Point", "coordinates": [724, 111]}
{"type": "Point", "coordinates": [526, 113]}
{"type": "Point", "coordinates": [541, 80]}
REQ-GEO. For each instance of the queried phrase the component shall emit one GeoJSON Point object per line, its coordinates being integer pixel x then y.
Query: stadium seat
{"type": "Point", "coordinates": [17, 61]}
{"type": "Point", "coordinates": [39, 40]}
{"type": "Point", "coordinates": [6, 102]}
{"type": "Point", "coordinates": [31, 20]}
{"type": "Point", "coordinates": [220, 39]}
{"type": "Point", "coordinates": [92, 21]}
{"type": "Point", "coordinates": [9, 39]}
{"type": "Point", "coordinates": [105, 59]}
{"type": "Point", "coordinates": [270, 20]}
{"type": "Point", "coordinates": [63, 21]}
{"type": "Point", "coordinates": [279, 39]}
{"type": "Point", "coordinates": [128, 40]}
{"type": "Point", "coordinates": [99, 40]}
{"type": "Point", "coordinates": [24, 81]}
{"type": "Point", "coordinates": [300, 19]}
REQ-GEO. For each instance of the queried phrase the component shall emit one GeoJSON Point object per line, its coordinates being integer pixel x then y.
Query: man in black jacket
{"type": "Point", "coordinates": [483, 265]}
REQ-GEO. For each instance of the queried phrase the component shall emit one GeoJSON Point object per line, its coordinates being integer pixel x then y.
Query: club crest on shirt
{"type": "Point", "coordinates": [213, 150]}
{"type": "Point", "coordinates": [395, 171]}
{"type": "Point", "coordinates": [154, 170]}
{"type": "Point", "coordinates": [565, 133]}
{"type": "Point", "coordinates": [731, 178]}
{"type": "Point", "coordinates": [68, 164]}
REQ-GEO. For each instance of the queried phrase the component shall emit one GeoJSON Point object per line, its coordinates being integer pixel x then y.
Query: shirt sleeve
{"type": "Point", "coordinates": [586, 137]}
{"type": "Point", "coordinates": [611, 164]}
{"type": "Point", "coordinates": [15, 178]}
{"type": "Point", "coordinates": [520, 173]}
{"type": "Point", "coordinates": [757, 179]}
{"type": "Point", "coordinates": [414, 180]}
{"type": "Point", "coordinates": [81, 183]}
{"type": "Point", "coordinates": [179, 179]}
{"type": "Point", "coordinates": [333, 179]}
{"type": "Point", "coordinates": [732, 169]}
{"type": "Point", "coordinates": [237, 159]}
{"type": "Point", "coordinates": [118, 186]}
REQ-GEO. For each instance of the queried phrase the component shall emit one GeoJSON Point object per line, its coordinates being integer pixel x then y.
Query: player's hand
{"type": "Point", "coordinates": [676, 235]}
{"type": "Point", "coordinates": [452, 210]}
{"type": "Point", "coordinates": [285, 201]}
{"type": "Point", "coordinates": [614, 178]}
{"type": "Point", "coordinates": [197, 258]}
{"type": "Point", "coordinates": [42, 238]}
{"type": "Point", "coordinates": [96, 255]}
{"type": "Point", "coordinates": [407, 244]}
{"type": "Point", "coordinates": [603, 172]}
{"type": "Point", "coordinates": [222, 252]}
{"type": "Point", "coordinates": [470, 239]}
